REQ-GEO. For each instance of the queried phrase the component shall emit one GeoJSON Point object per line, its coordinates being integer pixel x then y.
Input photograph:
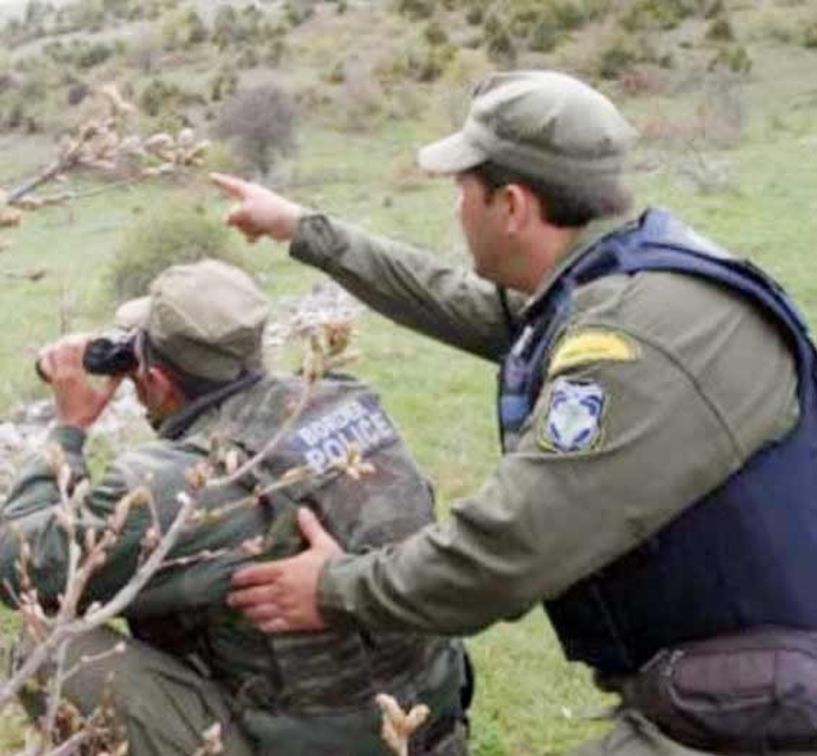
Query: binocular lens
{"type": "Point", "coordinates": [105, 356]}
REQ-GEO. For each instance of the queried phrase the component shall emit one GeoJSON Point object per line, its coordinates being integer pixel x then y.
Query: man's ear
{"type": "Point", "coordinates": [519, 204]}
{"type": "Point", "coordinates": [162, 385]}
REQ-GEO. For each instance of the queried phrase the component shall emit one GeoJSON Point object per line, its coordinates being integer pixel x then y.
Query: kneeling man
{"type": "Point", "coordinates": [194, 346]}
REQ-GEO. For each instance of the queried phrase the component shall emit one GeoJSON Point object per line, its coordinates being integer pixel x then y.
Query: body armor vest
{"type": "Point", "coordinates": [743, 555]}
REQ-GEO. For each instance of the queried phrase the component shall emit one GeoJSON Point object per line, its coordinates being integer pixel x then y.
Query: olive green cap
{"type": "Point", "coordinates": [540, 123]}
{"type": "Point", "coordinates": [207, 318]}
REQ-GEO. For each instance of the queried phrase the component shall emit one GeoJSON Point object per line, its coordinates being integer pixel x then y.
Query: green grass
{"type": "Point", "coordinates": [529, 700]}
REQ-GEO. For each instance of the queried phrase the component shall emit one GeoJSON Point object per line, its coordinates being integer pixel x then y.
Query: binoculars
{"type": "Point", "coordinates": [112, 354]}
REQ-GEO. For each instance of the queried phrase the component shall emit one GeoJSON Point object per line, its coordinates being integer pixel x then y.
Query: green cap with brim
{"type": "Point", "coordinates": [207, 318]}
{"type": "Point", "coordinates": [541, 124]}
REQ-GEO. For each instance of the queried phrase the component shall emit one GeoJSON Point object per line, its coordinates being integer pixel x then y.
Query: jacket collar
{"type": "Point", "coordinates": [178, 424]}
{"type": "Point", "coordinates": [585, 241]}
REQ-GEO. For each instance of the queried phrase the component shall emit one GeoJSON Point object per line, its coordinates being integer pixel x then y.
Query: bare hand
{"type": "Point", "coordinates": [282, 596]}
{"type": "Point", "coordinates": [259, 211]}
{"type": "Point", "coordinates": [79, 402]}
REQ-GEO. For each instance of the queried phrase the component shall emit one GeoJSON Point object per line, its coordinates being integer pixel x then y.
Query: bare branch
{"type": "Point", "coordinates": [98, 615]}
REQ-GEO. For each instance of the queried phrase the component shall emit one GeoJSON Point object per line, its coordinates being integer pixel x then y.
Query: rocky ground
{"type": "Point", "coordinates": [26, 430]}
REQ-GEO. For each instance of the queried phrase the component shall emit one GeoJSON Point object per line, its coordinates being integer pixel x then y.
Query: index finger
{"type": "Point", "coordinates": [256, 574]}
{"type": "Point", "coordinates": [69, 349]}
{"type": "Point", "coordinates": [231, 185]}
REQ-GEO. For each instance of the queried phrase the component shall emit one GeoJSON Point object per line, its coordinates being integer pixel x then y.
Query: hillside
{"type": "Point", "coordinates": [723, 93]}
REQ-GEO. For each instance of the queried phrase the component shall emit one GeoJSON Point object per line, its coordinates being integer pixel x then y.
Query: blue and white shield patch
{"type": "Point", "coordinates": [573, 421]}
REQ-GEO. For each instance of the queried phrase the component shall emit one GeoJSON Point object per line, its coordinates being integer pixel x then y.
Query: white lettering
{"type": "Point", "coordinates": [316, 459]}
{"type": "Point", "coordinates": [382, 425]}
{"type": "Point", "coordinates": [334, 449]}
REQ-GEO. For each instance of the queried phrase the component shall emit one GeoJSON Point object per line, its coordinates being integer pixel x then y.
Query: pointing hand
{"type": "Point", "coordinates": [259, 211]}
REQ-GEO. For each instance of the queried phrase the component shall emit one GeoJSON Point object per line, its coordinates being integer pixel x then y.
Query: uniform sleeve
{"type": "Point", "coordinates": [612, 452]}
{"type": "Point", "coordinates": [29, 515]}
{"type": "Point", "coordinates": [411, 287]}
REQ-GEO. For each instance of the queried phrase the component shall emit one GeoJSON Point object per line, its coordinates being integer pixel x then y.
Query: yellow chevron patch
{"type": "Point", "coordinates": [592, 345]}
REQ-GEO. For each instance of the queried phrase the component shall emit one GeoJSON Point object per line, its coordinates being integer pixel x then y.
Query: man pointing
{"type": "Point", "coordinates": [656, 406]}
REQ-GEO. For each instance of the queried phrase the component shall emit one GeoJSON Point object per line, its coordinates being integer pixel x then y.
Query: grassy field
{"type": "Point", "coordinates": [529, 700]}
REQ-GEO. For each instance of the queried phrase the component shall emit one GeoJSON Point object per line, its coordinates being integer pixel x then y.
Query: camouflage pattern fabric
{"type": "Point", "coordinates": [295, 686]}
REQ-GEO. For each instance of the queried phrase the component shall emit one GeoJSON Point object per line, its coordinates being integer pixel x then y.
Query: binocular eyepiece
{"type": "Point", "coordinates": [111, 354]}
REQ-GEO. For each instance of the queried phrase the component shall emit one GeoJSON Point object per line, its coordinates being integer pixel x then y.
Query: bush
{"type": "Point", "coordinates": [810, 37]}
{"type": "Point", "coordinates": [720, 30]}
{"type": "Point", "coordinates": [498, 42]}
{"type": "Point", "coordinates": [616, 58]}
{"type": "Point", "coordinates": [177, 235]}
{"type": "Point", "coordinates": [659, 14]}
{"type": "Point", "coordinates": [430, 64]}
{"type": "Point", "coordinates": [247, 57]}
{"type": "Point", "coordinates": [159, 96]}
{"type": "Point", "coordinates": [94, 55]}
{"type": "Point", "coordinates": [275, 50]}
{"type": "Point", "coordinates": [223, 84]}
{"type": "Point", "coordinates": [260, 124]}
{"type": "Point", "coordinates": [226, 28]}
{"type": "Point", "coordinates": [435, 34]}
{"type": "Point", "coordinates": [475, 15]}
{"type": "Point", "coordinates": [735, 59]}
{"type": "Point", "coordinates": [416, 10]}
{"type": "Point", "coordinates": [572, 14]}
{"type": "Point", "coordinates": [545, 35]}
{"type": "Point", "coordinates": [77, 92]}
{"type": "Point", "coordinates": [297, 13]}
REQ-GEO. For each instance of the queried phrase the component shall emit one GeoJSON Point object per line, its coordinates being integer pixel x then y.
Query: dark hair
{"type": "Point", "coordinates": [561, 205]}
{"type": "Point", "coordinates": [192, 386]}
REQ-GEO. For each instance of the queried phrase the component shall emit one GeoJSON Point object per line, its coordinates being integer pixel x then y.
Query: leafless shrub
{"type": "Point", "coordinates": [259, 123]}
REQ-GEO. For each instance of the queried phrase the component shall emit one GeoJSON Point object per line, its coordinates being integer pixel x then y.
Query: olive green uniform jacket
{"type": "Point", "coordinates": [705, 381]}
{"type": "Point", "coordinates": [287, 690]}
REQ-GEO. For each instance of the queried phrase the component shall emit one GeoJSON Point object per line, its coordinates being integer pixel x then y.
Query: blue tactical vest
{"type": "Point", "coordinates": [745, 554]}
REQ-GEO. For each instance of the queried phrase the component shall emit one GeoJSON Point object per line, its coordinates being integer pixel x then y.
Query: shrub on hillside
{"type": "Point", "coordinates": [810, 37]}
{"type": "Point", "coordinates": [93, 55]}
{"type": "Point", "coordinates": [273, 53]}
{"type": "Point", "coordinates": [498, 42]}
{"type": "Point", "coordinates": [430, 63]}
{"type": "Point", "coordinates": [616, 59]}
{"type": "Point", "coordinates": [735, 59]}
{"type": "Point", "coordinates": [660, 14]}
{"type": "Point", "coordinates": [158, 96]}
{"type": "Point", "coordinates": [573, 14]}
{"type": "Point", "coordinates": [178, 235]}
{"type": "Point", "coordinates": [259, 123]}
{"type": "Point", "coordinates": [545, 34]}
{"type": "Point", "coordinates": [183, 30]}
{"type": "Point", "coordinates": [416, 10]}
{"type": "Point", "coordinates": [720, 30]}
{"type": "Point", "coordinates": [77, 91]}
{"type": "Point", "coordinates": [475, 14]}
{"type": "Point", "coordinates": [435, 34]}
{"type": "Point", "coordinates": [223, 84]}
{"type": "Point", "coordinates": [297, 13]}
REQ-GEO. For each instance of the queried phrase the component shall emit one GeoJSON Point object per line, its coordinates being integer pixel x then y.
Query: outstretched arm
{"type": "Point", "coordinates": [407, 285]}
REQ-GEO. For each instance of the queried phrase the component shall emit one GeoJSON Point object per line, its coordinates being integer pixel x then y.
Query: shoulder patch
{"type": "Point", "coordinates": [573, 420]}
{"type": "Point", "coordinates": [589, 345]}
